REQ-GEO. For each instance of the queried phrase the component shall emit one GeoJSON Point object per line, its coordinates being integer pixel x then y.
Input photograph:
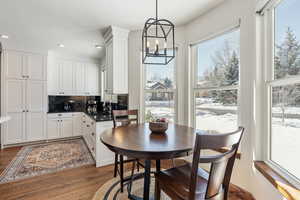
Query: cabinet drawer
{"type": "Point", "coordinates": [59, 115]}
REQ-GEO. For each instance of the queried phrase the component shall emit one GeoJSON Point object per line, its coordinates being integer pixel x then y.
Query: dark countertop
{"type": "Point", "coordinates": [99, 117]}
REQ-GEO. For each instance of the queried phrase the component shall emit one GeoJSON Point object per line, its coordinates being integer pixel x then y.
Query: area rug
{"type": "Point", "coordinates": [46, 158]}
{"type": "Point", "coordinates": [111, 191]}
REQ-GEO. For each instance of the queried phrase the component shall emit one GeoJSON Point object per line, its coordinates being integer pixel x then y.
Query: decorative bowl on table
{"type": "Point", "coordinates": [158, 126]}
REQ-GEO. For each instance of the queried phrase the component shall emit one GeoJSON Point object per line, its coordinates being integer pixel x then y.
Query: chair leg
{"type": "Point", "coordinates": [157, 191]}
{"type": "Point", "coordinates": [138, 165]}
{"type": "Point", "coordinates": [116, 165]}
{"type": "Point", "coordinates": [121, 172]}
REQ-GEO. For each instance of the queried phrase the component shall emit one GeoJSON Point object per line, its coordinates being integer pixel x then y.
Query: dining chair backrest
{"type": "Point", "coordinates": [221, 163]}
{"type": "Point", "coordinates": [125, 117]}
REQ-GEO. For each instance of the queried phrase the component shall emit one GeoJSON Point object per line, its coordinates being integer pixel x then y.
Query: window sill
{"type": "Point", "coordinates": [283, 185]}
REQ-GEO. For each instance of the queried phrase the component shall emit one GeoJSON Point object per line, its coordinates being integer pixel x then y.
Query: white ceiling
{"type": "Point", "coordinates": [78, 23]}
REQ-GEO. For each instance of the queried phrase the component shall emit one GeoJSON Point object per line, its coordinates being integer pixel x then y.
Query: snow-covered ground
{"type": "Point", "coordinates": [285, 140]}
{"type": "Point", "coordinates": [285, 135]}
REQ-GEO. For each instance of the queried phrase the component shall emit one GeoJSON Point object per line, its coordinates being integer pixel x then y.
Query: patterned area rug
{"type": "Point", "coordinates": [111, 191]}
{"type": "Point", "coordinates": [41, 159]}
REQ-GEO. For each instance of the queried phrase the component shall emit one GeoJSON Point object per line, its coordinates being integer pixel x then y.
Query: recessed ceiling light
{"type": "Point", "coordinates": [61, 45]}
{"type": "Point", "coordinates": [4, 36]}
{"type": "Point", "coordinates": [98, 46]}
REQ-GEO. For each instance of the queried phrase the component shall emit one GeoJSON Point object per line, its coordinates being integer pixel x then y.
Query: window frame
{"type": "Point", "coordinates": [268, 45]}
{"type": "Point", "coordinates": [174, 90]}
{"type": "Point", "coordinates": [193, 59]}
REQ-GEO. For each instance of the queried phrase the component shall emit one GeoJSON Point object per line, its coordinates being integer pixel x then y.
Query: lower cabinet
{"type": "Point", "coordinates": [53, 128]}
{"type": "Point", "coordinates": [104, 156]}
{"type": "Point", "coordinates": [60, 125]}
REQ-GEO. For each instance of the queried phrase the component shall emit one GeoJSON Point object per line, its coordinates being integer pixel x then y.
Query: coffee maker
{"type": "Point", "coordinates": [92, 107]}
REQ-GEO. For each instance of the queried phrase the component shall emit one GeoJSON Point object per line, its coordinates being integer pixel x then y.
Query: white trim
{"type": "Point", "coordinates": [269, 82]}
{"type": "Point", "coordinates": [193, 74]}
{"type": "Point", "coordinates": [229, 87]}
{"type": "Point", "coordinates": [285, 81]}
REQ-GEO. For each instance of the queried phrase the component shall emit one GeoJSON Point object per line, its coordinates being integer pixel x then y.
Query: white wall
{"type": "Point", "coordinates": [221, 18]}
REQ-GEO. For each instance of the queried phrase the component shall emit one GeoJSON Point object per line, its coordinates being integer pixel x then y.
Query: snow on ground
{"type": "Point", "coordinates": [285, 139]}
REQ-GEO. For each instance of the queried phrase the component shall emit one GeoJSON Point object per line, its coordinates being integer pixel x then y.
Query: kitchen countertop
{"type": "Point", "coordinates": [4, 119]}
{"type": "Point", "coordinates": [99, 117]}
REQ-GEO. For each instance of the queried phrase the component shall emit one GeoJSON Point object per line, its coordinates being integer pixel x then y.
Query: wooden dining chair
{"type": "Point", "coordinates": [189, 182]}
{"type": "Point", "coordinates": [124, 118]}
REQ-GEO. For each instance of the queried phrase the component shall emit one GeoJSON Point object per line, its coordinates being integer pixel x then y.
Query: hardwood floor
{"type": "Point", "coordinates": [71, 184]}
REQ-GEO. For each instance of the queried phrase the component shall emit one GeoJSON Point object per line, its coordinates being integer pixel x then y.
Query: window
{"type": "Point", "coordinates": [217, 83]}
{"type": "Point", "coordinates": [283, 84]}
{"type": "Point", "coordinates": [160, 91]}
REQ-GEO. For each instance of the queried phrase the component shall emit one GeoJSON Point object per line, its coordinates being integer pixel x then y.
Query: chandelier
{"type": "Point", "coordinates": [158, 45]}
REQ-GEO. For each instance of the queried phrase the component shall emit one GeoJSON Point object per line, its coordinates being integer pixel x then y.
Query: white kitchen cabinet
{"type": "Point", "coordinates": [53, 126]}
{"type": "Point", "coordinates": [23, 97]}
{"type": "Point", "coordinates": [73, 78]}
{"type": "Point", "coordinates": [53, 77]}
{"type": "Point", "coordinates": [13, 64]}
{"type": "Point", "coordinates": [14, 129]}
{"type": "Point", "coordinates": [36, 67]}
{"type": "Point", "coordinates": [35, 126]}
{"type": "Point", "coordinates": [104, 156]}
{"type": "Point", "coordinates": [62, 125]}
{"type": "Point", "coordinates": [66, 127]}
{"type": "Point", "coordinates": [79, 78]}
{"type": "Point", "coordinates": [92, 79]}
{"type": "Point", "coordinates": [20, 65]}
{"type": "Point", "coordinates": [35, 110]}
{"type": "Point", "coordinates": [116, 42]}
{"type": "Point", "coordinates": [66, 77]}
{"type": "Point", "coordinates": [77, 124]}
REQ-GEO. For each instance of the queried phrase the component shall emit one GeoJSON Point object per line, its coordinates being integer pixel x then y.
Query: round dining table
{"type": "Point", "coordinates": [137, 141]}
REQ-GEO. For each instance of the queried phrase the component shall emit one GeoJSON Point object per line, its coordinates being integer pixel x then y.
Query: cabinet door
{"type": "Point", "coordinates": [53, 128]}
{"type": "Point", "coordinates": [13, 62]}
{"type": "Point", "coordinates": [53, 77]}
{"type": "Point", "coordinates": [15, 128]}
{"type": "Point", "coordinates": [92, 79]}
{"type": "Point", "coordinates": [109, 67]}
{"type": "Point", "coordinates": [35, 126]}
{"type": "Point", "coordinates": [15, 96]}
{"type": "Point", "coordinates": [36, 67]}
{"type": "Point", "coordinates": [77, 124]}
{"type": "Point", "coordinates": [36, 96]}
{"type": "Point", "coordinates": [15, 108]}
{"type": "Point", "coordinates": [36, 110]}
{"type": "Point", "coordinates": [80, 78]}
{"type": "Point", "coordinates": [104, 156]}
{"type": "Point", "coordinates": [66, 77]}
{"type": "Point", "coordinates": [66, 127]}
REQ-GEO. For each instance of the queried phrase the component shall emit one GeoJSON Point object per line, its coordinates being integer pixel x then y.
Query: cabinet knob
{"type": "Point", "coordinates": [93, 134]}
{"type": "Point", "coordinates": [87, 125]}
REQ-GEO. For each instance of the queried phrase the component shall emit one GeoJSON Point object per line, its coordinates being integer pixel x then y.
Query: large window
{"type": "Point", "coordinates": [283, 84]}
{"type": "Point", "coordinates": [160, 91]}
{"type": "Point", "coordinates": [217, 83]}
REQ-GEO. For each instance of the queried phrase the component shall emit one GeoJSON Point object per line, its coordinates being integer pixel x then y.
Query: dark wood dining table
{"type": "Point", "coordinates": [137, 141]}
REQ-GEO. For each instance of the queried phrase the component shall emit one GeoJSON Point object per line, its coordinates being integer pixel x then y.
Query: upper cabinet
{"type": "Point", "coordinates": [67, 77]}
{"type": "Point", "coordinates": [116, 42]}
{"type": "Point", "coordinates": [20, 65]}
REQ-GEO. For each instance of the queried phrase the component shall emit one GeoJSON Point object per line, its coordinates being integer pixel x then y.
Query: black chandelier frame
{"type": "Point", "coordinates": [167, 28]}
